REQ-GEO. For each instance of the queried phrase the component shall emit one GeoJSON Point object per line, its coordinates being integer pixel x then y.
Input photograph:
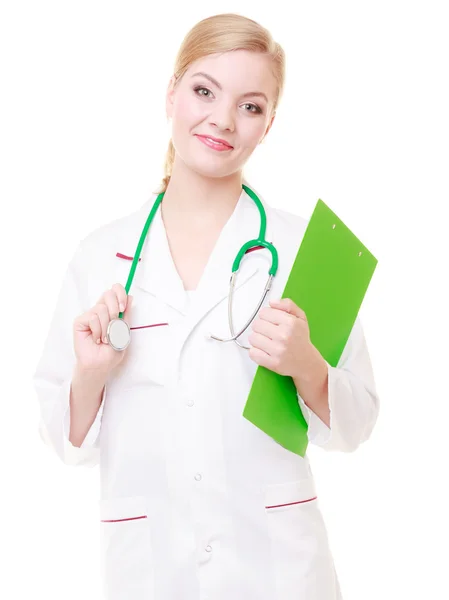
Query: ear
{"type": "Point", "coordinates": [268, 127]}
{"type": "Point", "coordinates": [170, 96]}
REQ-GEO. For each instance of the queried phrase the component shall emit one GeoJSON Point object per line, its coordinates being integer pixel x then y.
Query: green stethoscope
{"type": "Point", "coordinates": [119, 333]}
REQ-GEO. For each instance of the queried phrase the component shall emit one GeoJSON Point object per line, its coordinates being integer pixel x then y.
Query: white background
{"type": "Point", "coordinates": [363, 125]}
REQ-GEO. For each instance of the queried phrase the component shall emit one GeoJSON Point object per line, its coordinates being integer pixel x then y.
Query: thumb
{"type": "Point", "coordinates": [127, 313]}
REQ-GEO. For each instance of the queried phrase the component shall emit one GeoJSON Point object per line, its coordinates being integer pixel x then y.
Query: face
{"type": "Point", "coordinates": [227, 97]}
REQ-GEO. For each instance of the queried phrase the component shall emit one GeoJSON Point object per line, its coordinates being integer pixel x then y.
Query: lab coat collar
{"type": "Point", "coordinates": [156, 272]}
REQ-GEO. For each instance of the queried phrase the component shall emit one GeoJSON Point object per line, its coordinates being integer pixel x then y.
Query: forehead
{"type": "Point", "coordinates": [239, 72]}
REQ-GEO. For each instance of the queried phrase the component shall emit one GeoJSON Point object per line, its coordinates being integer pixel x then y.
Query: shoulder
{"type": "Point", "coordinates": [95, 264]}
{"type": "Point", "coordinates": [115, 236]}
{"type": "Point", "coordinates": [287, 229]}
{"type": "Point", "coordinates": [288, 222]}
{"type": "Point", "coordinates": [282, 223]}
{"type": "Point", "coordinates": [113, 231]}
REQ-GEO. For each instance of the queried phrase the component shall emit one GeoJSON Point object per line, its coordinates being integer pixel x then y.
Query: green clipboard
{"type": "Point", "coordinates": [328, 280]}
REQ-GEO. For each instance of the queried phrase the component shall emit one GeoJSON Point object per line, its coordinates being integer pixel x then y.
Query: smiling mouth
{"type": "Point", "coordinates": [214, 143]}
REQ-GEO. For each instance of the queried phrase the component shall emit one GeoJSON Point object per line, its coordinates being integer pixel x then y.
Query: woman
{"type": "Point", "coordinates": [196, 502]}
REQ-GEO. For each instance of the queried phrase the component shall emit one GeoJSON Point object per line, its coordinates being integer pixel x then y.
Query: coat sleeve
{"type": "Point", "coordinates": [52, 378]}
{"type": "Point", "coordinates": [353, 399]}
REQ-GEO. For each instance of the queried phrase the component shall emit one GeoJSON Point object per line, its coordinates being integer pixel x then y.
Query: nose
{"type": "Point", "coordinates": [223, 117]}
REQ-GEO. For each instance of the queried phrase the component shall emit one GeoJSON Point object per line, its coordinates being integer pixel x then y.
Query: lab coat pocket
{"type": "Point", "coordinates": [300, 552]}
{"type": "Point", "coordinates": [148, 356]}
{"type": "Point", "coordinates": [126, 548]}
{"type": "Point", "coordinates": [282, 496]}
{"type": "Point", "coordinates": [292, 513]}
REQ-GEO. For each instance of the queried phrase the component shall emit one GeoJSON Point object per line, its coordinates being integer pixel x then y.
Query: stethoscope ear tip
{"type": "Point", "coordinates": [210, 336]}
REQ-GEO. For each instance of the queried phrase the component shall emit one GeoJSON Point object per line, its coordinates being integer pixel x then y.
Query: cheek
{"type": "Point", "coordinates": [186, 114]}
{"type": "Point", "coordinates": [251, 132]}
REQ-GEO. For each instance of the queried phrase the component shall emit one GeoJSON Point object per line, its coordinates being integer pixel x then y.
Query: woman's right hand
{"type": "Point", "coordinates": [93, 353]}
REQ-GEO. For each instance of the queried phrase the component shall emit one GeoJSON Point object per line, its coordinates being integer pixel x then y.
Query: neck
{"type": "Point", "coordinates": [196, 200]}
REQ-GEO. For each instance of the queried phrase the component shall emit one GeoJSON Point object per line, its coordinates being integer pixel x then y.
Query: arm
{"type": "Point", "coordinates": [313, 389]}
{"type": "Point", "coordinates": [340, 403]}
{"type": "Point", "coordinates": [53, 381]}
{"type": "Point", "coordinates": [86, 394]}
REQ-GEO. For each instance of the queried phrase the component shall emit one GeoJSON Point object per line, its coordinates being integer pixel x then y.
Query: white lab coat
{"type": "Point", "coordinates": [188, 485]}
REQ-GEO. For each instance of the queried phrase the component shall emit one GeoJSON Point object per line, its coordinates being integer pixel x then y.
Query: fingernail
{"type": "Point", "coordinates": [98, 341]}
{"type": "Point", "coordinates": [122, 307]}
{"type": "Point", "coordinates": [105, 340]}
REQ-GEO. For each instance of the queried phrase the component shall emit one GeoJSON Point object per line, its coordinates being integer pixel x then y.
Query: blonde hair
{"type": "Point", "coordinates": [225, 33]}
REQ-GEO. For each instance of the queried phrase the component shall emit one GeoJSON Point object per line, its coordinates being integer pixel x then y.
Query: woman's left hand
{"type": "Point", "coordinates": [280, 340]}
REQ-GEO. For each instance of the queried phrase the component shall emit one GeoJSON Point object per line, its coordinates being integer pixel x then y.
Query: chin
{"type": "Point", "coordinates": [213, 171]}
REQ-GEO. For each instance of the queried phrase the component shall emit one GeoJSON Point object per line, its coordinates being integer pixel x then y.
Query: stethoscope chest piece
{"type": "Point", "coordinates": [119, 334]}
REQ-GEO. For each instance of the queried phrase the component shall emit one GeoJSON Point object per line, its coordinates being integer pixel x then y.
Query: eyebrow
{"type": "Point", "coordinates": [215, 82]}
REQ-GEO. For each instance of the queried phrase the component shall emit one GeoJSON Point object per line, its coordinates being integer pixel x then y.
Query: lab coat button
{"type": "Point", "coordinates": [190, 403]}
{"type": "Point", "coordinates": [208, 548]}
{"type": "Point", "coordinates": [198, 477]}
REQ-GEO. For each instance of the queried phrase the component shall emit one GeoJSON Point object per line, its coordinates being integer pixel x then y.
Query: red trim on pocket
{"type": "Point", "coordinates": [120, 255]}
{"type": "Point", "coordinates": [120, 520]}
{"type": "Point", "coordinates": [145, 326]}
{"type": "Point", "coordinates": [292, 503]}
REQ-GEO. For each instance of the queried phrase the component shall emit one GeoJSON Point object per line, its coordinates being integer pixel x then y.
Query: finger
{"type": "Point", "coordinates": [112, 303]}
{"type": "Point", "coordinates": [83, 321]}
{"type": "Point", "coordinates": [101, 298]}
{"type": "Point", "coordinates": [280, 334]}
{"type": "Point", "coordinates": [261, 358]}
{"type": "Point", "coordinates": [103, 315]}
{"type": "Point", "coordinates": [287, 305]}
{"type": "Point", "coordinates": [95, 327]}
{"type": "Point", "coordinates": [261, 342]}
{"type": "Point", "coordinates": [265, 328]}
{"type": "Point", "coordinates": [121, 295]}
{"type": "Point", "coordinates": [275, 316]}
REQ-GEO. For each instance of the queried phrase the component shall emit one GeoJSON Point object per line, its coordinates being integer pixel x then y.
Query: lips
{"type": "Point", "coordinates": [213, 141]}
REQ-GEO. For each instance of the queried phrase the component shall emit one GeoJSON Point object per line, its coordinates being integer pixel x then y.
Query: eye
{"type": "Point", "coordinates": [256, 109]}
{"type": "Point", "coordinates": [200, 88]}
